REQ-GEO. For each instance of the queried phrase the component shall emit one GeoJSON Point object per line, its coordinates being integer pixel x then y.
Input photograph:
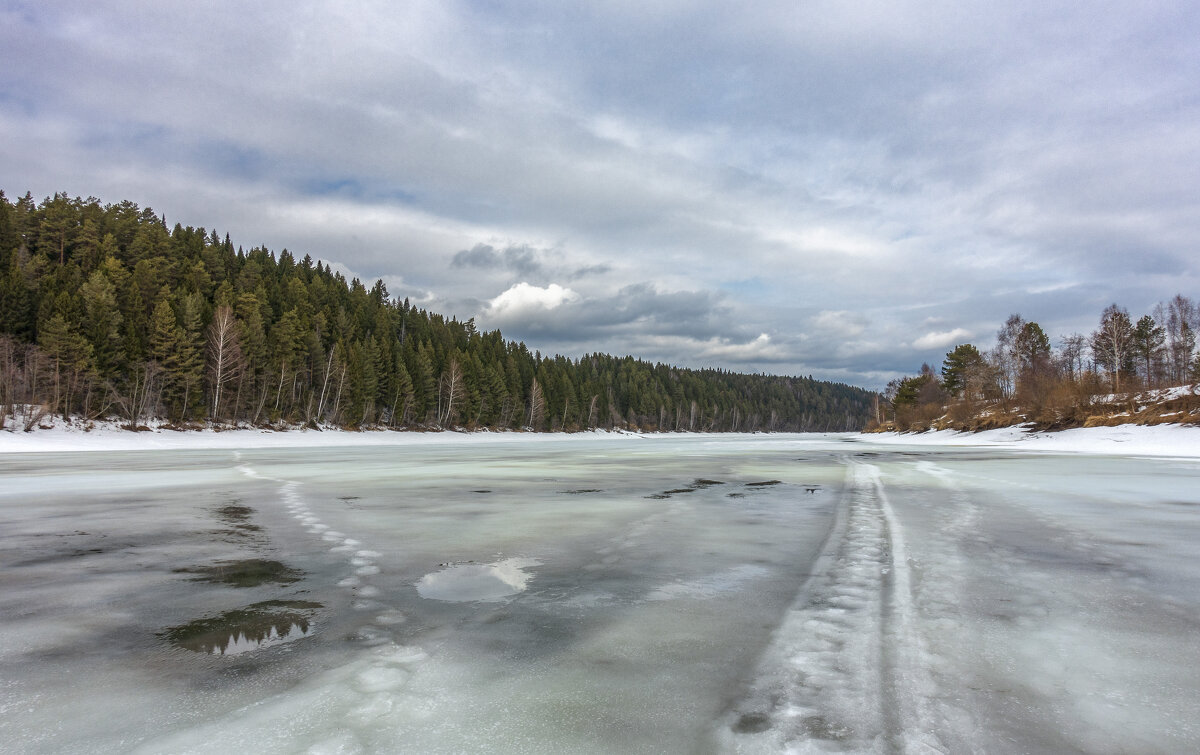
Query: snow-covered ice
{"type": "Point", "coordinates": [600, 593]}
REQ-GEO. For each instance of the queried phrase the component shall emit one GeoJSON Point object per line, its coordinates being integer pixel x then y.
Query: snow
{"type": "Point", "coordinates": [477, 582]}
{"type": "Point", "coordinates": [1155, 396]}
{"type": "Point", "coordinates": [1124, 440]}
{"type": "Point", "coordinates": [110, 436]}
{"type": "Point", "coordinates": [1129, 440]}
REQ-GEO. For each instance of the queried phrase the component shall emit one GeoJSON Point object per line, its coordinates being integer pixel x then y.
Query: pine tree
{"type": "Point", "coordinates": [60, 222]}
{"type": "Point", "coordinates": [402, 398]}
{"type": "Point", "coordinates": [70, 357]}
{"type": "Point", "coordinates": [103, 323]}
{"type": "Point", "coordinates": [189, 362]}
{"type": "Point", "coordinates": [166, 347]}
{"type": "Point", "coordinates": [16, 302]}
{"type": "Point", "coordinates": [424, 383]}
{"type": "Point", "coordinates": [1148, 340]}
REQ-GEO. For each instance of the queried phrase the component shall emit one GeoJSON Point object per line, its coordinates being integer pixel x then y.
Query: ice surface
{"type": "Point", "coordinates": [607, 594]}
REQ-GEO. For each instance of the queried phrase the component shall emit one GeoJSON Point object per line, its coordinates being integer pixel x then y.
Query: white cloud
{"type": "Point", "coordinates": [760, 348]}
{"type": "Point", "coordinates": [840, 322]}
{"type": "Point", "coordinates": [823, 240]}
{"type": "Point", "coordinates": [524, 300]}
{"type": "Point", "coordinates": [941, 339]}
{"type": "Point", "coordinates": [1050, 288]}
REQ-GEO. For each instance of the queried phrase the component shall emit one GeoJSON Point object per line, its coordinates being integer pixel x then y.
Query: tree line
{"type": "Point", "coordinates": [107, 312]}
{"type": "Point", "coordinates": [1024, 377]}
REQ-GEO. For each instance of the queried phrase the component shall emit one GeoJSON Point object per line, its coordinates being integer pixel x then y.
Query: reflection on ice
{"type": "Point", "coordinates": [250, 572]}
{"type": "Point", "coordinates": [261, 625]}
{"type": "Point", "coordinates": [242, 644]}
{"type": "Point", "coordinates": [477, 582]}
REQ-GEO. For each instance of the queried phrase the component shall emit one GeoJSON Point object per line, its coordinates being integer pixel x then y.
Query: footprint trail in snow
{"type": "Point", "coordinates": [373, 687]}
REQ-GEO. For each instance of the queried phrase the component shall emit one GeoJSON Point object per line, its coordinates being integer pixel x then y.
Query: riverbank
{"type": "Point", "coordinates": [1124, 440]}
{"type": "Point", "coordinates": [55, 436]}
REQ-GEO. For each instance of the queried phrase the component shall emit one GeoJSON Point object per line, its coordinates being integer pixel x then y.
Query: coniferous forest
{"type": "Point", "coordinates": [105, 312]}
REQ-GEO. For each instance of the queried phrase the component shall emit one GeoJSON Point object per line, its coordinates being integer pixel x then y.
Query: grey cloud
{"type": "Point", "coordinates": [588, 271]}
{"type": "Point", "coordinates": [522, 260]}
{"type": "Point", "coordinates": [480, 255]}
{"type": "Point", "coordinates": [620, 320]}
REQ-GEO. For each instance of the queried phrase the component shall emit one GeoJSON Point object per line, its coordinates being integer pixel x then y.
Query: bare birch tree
{"type": "Point", "coordinates": [537, 405]}
{"type": "Point", "coordinates": [1071, 349]}
{"type": "Point", "coordinates": [453, 389]}
{"type": "Point", "coordinates": [1180, 322]}
{"type": "Point", "coordinates": [224, 355]}
{"type": "Point", "coordinates": [1112, 343]}
{"type": "Point", "coordinates": [591, 420]}
{"type": "Point", "coordinates": [141, 393]}
{"type": "Point", "coordinates": [1006, 355]}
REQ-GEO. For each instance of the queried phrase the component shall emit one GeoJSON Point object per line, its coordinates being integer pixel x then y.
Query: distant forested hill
{"type": "Point", "coordinates": [104, 311]}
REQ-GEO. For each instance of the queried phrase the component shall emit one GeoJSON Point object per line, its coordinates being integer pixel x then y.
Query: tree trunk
{"type": "Point", "coordinates": [325, 385]}
{"type": "Point", "coordinates": [225, 358]}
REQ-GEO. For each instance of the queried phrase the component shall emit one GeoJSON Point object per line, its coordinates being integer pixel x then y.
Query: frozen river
{"type": "Point", "coordinates": [670, 594]}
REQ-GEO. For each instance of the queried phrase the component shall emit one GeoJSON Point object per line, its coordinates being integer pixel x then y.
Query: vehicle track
{"type": "Point", "coordinates": [844, 670]}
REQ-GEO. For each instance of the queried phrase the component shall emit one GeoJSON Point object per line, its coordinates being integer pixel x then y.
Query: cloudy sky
{"type": "Point", "coordinates": [845, 189]}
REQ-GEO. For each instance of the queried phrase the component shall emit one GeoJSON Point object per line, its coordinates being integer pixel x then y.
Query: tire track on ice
{"type": "Point", "coordinates": [844, 670]}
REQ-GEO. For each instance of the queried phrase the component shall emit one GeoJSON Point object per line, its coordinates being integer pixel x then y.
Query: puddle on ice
{"type": "Point", "coordinates": [250, 572]}
{"type": "Point", "coordinates": [240, 528]}
{"type": "Point", "coordinates": [752, 723]}
{"type": "Point", "coordinates": [699, 483]}
{"type": "Point", "coordinates": [256, 626]}
{"type": "Point", "coordinates": [477, 582]}
{"type": "Point", "coordinates": [237, 515]}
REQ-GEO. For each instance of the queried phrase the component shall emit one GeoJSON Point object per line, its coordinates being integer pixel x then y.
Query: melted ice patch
{"type": "Point", "coordinates": [477, 582]}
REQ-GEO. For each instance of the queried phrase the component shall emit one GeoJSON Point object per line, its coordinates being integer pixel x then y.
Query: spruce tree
{"type": "Point", "coordinates": [166, 347]}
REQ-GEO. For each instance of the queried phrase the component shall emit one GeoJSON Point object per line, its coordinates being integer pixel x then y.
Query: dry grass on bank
{"type": "Point", "coordinates": [1062, 409]}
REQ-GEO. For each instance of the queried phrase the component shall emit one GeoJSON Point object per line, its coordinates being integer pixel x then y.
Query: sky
{"type": "Point", "coordinates": [841, 189]}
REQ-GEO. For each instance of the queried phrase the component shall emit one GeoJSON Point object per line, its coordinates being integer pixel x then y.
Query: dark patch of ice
{"type": "Point", "coordinates": [250, 572]}
{"type": "Point", "coordinates": [752, 723]}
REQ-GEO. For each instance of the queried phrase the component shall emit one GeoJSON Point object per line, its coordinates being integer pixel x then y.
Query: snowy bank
{"type": "Point", "coordinates": [56, 436]}
{"type": "Point", "coordinates": [1123, 440]}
